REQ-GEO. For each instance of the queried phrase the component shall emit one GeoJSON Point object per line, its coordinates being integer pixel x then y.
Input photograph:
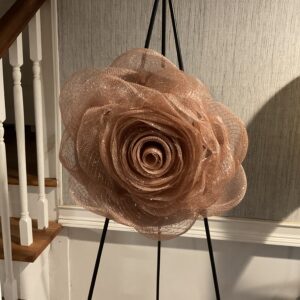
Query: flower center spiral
{"type": "Point", "coordinates": [148, 157]}
{"type": "Point", "coordinates": [151, 155]}
{"type": "Point", "coordinates": [152, 158]}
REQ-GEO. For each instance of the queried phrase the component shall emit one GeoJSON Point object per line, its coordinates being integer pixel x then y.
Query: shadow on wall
{"type": "Point", "coordinates": [273, 171]}
{"type": "Point", "coordinates": [272, 164]}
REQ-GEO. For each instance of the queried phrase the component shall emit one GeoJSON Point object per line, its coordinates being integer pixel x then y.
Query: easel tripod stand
{"type": "Point", "coordinates": [206, 224]}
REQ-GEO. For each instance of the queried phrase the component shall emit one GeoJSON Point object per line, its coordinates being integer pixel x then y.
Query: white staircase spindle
{"type": "Point", "coordinates": [10, 286]}
{"type": "Point", "coordinates": [35, 44]}
{"type": "Point", "coordinates": [16, 61]}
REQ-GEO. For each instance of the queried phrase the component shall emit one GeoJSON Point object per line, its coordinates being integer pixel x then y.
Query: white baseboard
{"type": "Point", "coordinates": [228, 229]}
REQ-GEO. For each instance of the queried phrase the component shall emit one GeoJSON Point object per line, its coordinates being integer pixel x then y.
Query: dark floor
{"type": "Point", "coordinates": [11, 150]}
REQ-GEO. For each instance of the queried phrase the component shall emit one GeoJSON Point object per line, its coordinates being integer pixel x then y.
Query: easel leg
{"type": "Point", "coordinates": [209, 244]}
{"type": "Point", "coordinates": [152, 19]}
{"type": "Point", "coordinates": [180, 63]}
{"type": "Point", "coordinates": [163, 52]}
{"type": "Point", "coordinates": [212, 261]}
{"type": "Point", "coordinates": [158, 269]}
{"type": "Point", "coordinates": [97, 263]}
{"type": "Point", "coordinates": [176, 38]}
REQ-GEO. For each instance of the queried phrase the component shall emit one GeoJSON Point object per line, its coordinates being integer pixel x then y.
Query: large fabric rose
{"type": "Point", "coordinates": [147, 146]}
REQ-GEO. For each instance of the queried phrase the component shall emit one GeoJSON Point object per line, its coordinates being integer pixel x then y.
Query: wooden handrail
{"type": "Point", "coordinates": [14, 21]}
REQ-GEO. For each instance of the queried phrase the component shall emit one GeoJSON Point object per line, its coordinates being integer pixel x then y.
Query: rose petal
{"type": "Point", "coordinates": [232, 193]}
{"type": "Point", "coordinates": [238, 138]}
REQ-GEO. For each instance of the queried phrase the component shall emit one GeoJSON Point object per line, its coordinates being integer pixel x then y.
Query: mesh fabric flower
{"type": "Point", "coordinates": [147, 146]}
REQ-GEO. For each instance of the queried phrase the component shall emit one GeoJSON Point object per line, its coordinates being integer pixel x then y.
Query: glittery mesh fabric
{"type": "Point", "coordinates": [147, 146]}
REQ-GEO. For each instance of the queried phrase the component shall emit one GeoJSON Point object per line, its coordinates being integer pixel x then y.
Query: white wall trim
{"type": "Point", "coordinates": [229, 229]}
{"type": "Point", "coordinates": [56, 79]}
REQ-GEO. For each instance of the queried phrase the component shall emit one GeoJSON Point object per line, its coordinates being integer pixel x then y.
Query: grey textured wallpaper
{"type": "Point", "coordinates": [247, 52]}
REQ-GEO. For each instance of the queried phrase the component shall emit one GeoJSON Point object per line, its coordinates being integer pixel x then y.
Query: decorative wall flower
{"type": "Point", "coordinates": [147, 146]}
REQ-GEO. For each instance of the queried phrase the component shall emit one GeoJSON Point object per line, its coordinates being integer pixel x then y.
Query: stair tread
{"type": "Point", "coordinates": [13, 179]}
{"type": "Point", "coordinates": [41, 239]}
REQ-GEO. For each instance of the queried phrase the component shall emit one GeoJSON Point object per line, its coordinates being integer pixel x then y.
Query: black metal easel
{"type": "Point", "coordinates": [206, 225]}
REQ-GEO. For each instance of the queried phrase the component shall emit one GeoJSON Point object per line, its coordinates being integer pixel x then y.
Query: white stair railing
{"type": "Point", "coordinates": [35, 45]}
{"type": "Point", "coordinates": [10, 286]}
{"type": "Point", "coordinates": [16, 61]}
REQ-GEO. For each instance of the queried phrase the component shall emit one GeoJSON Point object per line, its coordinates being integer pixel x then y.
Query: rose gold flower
{"type": "Point", "coordinates": [147, 146]}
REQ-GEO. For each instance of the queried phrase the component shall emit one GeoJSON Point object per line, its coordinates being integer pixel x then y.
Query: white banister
{"type": "Point", "coordinates": [16, 61]}
{"type": "Point", "coordinates": [35, 45]}
{"type": "Point", "coordinates": [10, 286]}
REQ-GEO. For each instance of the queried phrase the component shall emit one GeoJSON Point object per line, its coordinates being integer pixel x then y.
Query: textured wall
{"type": "Point", "coordinates": [247, 52]}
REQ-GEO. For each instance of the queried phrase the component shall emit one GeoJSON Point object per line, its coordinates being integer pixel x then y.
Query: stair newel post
{"type": "Point", "coordinates": [16, 61]}
{"type": "Point", "coordinates": [35, 46]}
{"type": "Point", "coordinates": [10, 286]}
